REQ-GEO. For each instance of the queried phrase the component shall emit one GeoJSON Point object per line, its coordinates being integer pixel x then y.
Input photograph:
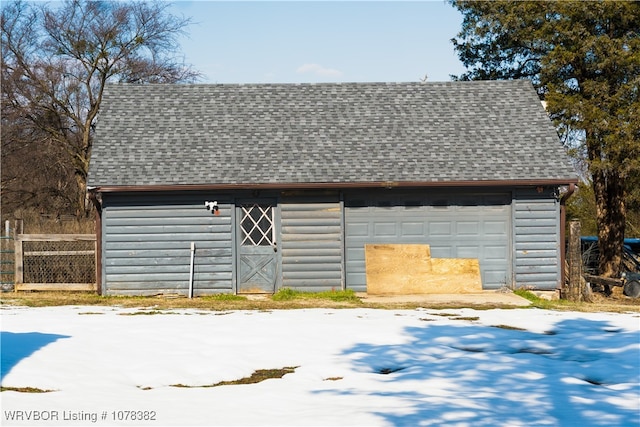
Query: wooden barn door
{"type": "Point", "coordinates": [257, 250]}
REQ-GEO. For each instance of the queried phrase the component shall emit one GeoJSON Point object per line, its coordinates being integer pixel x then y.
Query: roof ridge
{"type": "Point", "coordinates": [380, 83]}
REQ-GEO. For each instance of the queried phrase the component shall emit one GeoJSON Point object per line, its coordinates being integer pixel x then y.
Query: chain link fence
{"type": "Point", "coordinates": [55, 262]}
{"type": "Point", "coordinates": [58, 262]}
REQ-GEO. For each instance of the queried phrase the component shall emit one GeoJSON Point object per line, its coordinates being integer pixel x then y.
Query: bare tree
{"type": "Point", "coordinates": [55, 64]}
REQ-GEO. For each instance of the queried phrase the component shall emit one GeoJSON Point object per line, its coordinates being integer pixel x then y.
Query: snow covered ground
{"type": "Point", "coordinates": [354, 367]}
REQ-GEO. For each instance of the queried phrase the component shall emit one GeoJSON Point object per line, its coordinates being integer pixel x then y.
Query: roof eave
{"type": "Point", "coordinates": [331, 185]}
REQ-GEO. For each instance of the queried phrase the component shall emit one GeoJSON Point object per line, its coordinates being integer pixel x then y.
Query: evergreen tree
{"type": "Point", "coordinates": [584, 59]}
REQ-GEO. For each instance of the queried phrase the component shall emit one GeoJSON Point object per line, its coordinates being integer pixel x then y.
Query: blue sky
{"type": "Point", "coordinates": [320, 41]}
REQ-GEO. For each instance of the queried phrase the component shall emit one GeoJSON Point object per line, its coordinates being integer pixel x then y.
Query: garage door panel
{"type": "Point", "coordinates": [355, 254]}
{"type": "Point", "coordinates": [455, 226]}
{"type": "Point", "coordinates": [468, 228]}
{"type": "Point", "coordinates": [498, 252]}
{"type": "Point", "coordinates": [498, 228]}
{"type": "Point", "coordinates": [467, 252]}
{"type": "Point", "coordinates": [385, 229]}
{"type": "Point", "coordinates": [439, 228]}
{"type": "Point", "coordinates": [441, 251]}
{"type": "Point", "coordinates": [357, 230]}
{"type": "Point", "coordinates": [494, 276]}
{"type": "Point", "coordinates": [412, 228]}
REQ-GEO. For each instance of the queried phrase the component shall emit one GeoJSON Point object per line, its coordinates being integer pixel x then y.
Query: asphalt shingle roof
{"type": "Point", "coordinates": [324, 133]}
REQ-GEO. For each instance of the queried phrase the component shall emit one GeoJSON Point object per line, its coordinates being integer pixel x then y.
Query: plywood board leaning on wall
{"type": "Point", "coordinates": [403, 269]}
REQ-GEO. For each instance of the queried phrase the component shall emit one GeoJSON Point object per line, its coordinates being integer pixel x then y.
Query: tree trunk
{"type": "Point", "coordinates": [81, 161]}
{"type": "Point", "coordinates": [81, 202]}
{"type": "Point", "coordinates": [611, 213]}
{"type": "Point", "coordinates": [574, 291]}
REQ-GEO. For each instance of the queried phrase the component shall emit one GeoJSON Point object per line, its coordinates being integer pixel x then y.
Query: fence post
{"type": "Point", "coordinates": [574, 290]}
{"type": "Point", "coordinates": [18, 227]}
{"type": "Point", "coordinates": [7, 259]}
{"type": "Point", "coordinates": [18, 277]}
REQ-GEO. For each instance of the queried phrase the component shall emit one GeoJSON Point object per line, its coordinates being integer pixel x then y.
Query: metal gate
{"type": "Point", "coordinates": [257, 247]}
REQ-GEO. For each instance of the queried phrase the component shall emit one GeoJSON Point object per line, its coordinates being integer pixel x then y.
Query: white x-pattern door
{"type": "Point", "coordinates": [257, 225]}
{"type": "Point", "coordinates": [257, 261]}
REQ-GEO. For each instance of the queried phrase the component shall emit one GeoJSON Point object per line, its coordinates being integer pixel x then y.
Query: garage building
{"type": "Point", "coordinates": [251, 188]}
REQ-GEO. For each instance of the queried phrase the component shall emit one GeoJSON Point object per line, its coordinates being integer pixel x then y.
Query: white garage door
{"type": "Point", "coordinates": [454, 225]}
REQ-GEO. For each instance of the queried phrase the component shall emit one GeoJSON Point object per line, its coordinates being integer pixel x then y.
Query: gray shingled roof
{"type": "Point", "coordinates": [324, 133]}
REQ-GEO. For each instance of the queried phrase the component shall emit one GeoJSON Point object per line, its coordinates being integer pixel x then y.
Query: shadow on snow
{"type": "Point", "coordinates": [582, 373]}
{"type": "Point", "coordinates": [17, 346]}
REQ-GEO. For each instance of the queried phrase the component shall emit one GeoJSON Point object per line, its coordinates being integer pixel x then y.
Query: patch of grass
{"type": "Point", "coordinates": [528, 295]}
{"type": "Point", "coordinates": [545, 304]}
{"type": "Point", "coordinates": [513, 328]}
{"type": "Point", "coordinates": [347, 295]}
{"type": "Point", "coordinates": [452, 316]}
{"type": "Point", "coordinates": [224, 297]}
{"type": "Point", "coordinates": [46, 299]}
{"type": "Point", "coordinates": [600, 303]}
{"type": "Point", "coordinates": [287, 299]}
{"type": "Point", "coordinates": [258, 376]}
{"type": "Point", "coordinates": [285, 294]}
{"type": "Point", "coordinates": [25, 389]}
{"type": "Point", "coordinates": [146, 313]}
{"type": "Point", "coordinates": [387, 371]}
{"type": "Point", "coordinates": [288, 294]}
{"type": "Point", "coordinates": [616, 303]}
{"type": "Point", "coordinates": [155, 302]}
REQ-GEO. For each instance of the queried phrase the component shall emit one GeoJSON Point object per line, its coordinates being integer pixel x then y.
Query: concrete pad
{"type": "Point", "coordinates": [477, 298]}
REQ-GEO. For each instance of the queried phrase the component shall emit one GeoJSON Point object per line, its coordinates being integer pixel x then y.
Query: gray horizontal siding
{"type": "Point", "coordinates": [311, 243]}
{"type": "Point", "coordinates": [147, 244]}
{"type": "Point", "coordinates": [536, 240]}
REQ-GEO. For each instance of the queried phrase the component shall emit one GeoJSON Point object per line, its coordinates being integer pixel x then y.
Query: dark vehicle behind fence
{"type": "Point", "coordinates": [630, 280]}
